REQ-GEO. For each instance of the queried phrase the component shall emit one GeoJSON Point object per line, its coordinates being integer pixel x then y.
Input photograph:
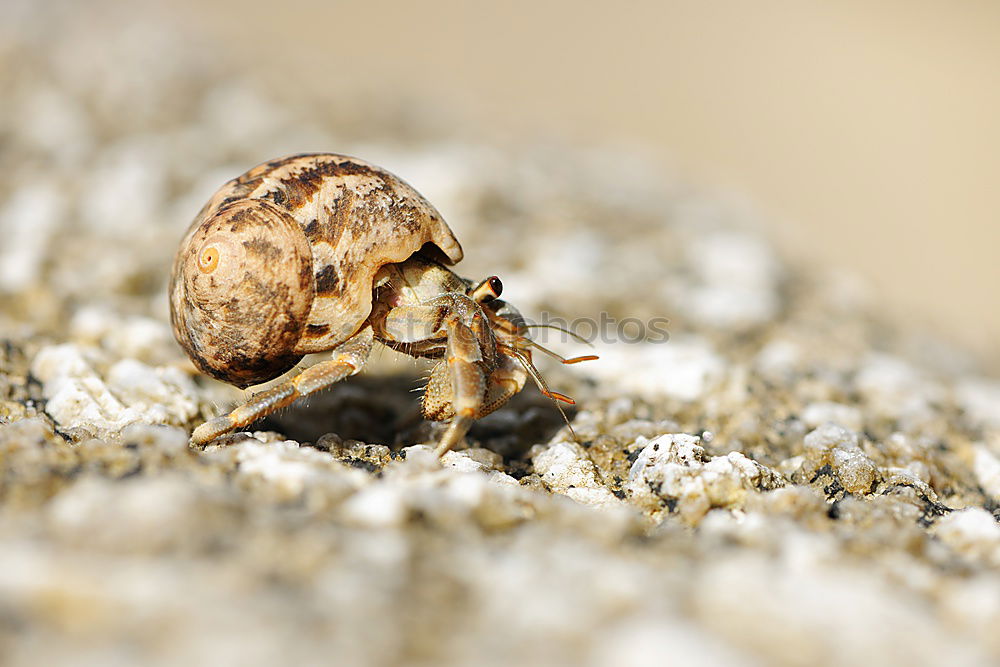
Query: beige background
{"type": "Point", "coordinates": [866, 133]}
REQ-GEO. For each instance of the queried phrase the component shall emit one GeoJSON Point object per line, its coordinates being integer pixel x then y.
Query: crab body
{"type": "Point", "coordinates": [324, 252]}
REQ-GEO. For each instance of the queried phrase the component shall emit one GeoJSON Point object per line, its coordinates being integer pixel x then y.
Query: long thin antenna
{"type": "Point", "coordinates": [544, 388]}
{"type": "Point", "coordinates": [571, 360]}
{"type": "Point", "coordinates": [575, 335]}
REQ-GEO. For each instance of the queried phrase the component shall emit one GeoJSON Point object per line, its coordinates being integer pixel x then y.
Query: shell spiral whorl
{"type": "Point", "coordinates": [241, 291]}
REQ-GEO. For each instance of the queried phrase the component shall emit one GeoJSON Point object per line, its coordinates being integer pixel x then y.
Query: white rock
{"type": "Point", "coordinates": [675, 467]}
{"type": "Point", "coordinates": [275, 463]}
{"type": "Point", "coordinates": [678, 448]}
{"type": "Point", "coordinates": [466, 489]}
{"type": "Point", "coordinates": [134, 392]}
{"type": "Point", "coordinates": [566, 469]}
{"type": "Point", "coordinates": [839, 447]}
{"type": "Point", "coordinates": [502, 478]}
{"type": "Point", "coordinates": [418, 458]}
{"type": "Point", "coordinates": [906, 477]}
{"type": "Point", "coordinates": [734, 257]}
{"type": "Point", "coordinates": [166, 439]}
{"type": "Point", "coordinates": [810, 609]}
{"type": "Point", "coordinates": [472, 459]}
{"type": "Point", "coordinates": [828, 436]}
{"type": "Point", "coordinates": [289, 470]}
{"type": "Point", "coordinates": [458, 462]}
{"type": "Point", "coordinates": [76, 396]}
{"type": "Point", "coordinates": [162, 394]}
{"type": "Point", "coordinates": [973, 603]}
{"type": "Point", "coordinates": [730, 306]}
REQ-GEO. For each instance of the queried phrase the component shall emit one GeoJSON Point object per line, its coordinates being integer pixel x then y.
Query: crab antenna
{"type": "Point", "coordinates": [576, 360]}
{"type": "Point", "coordinates": [536, 376]}
{"type": "Point", "coordinates": [571, 360]}
{"type": "Point", "coordinates": [542, 387]}
{"type": "Point", "coordinates": [575, 335]}
{"type": "Point", "coordinates": [568, 425]}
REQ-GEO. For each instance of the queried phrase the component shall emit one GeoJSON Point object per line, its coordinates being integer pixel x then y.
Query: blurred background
{"type": "Point", "coordinates": [864, 134]}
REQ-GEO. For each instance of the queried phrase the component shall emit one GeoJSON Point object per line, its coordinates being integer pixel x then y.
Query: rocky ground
{"type": "Point", "coordinates": [789, 479]}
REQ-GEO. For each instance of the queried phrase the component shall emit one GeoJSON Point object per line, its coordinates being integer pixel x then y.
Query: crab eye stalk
{"type": "Point", "coordinates": [489, 289]}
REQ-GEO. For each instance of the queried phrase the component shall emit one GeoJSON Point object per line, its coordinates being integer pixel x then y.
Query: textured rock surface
{"type": "Point", "coordinates": [788, 480]}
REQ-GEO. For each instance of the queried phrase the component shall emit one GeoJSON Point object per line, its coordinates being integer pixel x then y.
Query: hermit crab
{"type": "Point", "coordinates": [327, 253]}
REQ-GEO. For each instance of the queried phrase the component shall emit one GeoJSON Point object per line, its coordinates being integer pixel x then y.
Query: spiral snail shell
{"type": "Point", "coordinates": [280, 263]}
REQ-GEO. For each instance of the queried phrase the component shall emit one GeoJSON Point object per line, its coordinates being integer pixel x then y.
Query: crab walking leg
{"type": "Point", "coordinates": [507, 380]}
{"type": "Point", "coordinates": [468, 383]}
{"type": "Point", "coordinates": [348, 358]}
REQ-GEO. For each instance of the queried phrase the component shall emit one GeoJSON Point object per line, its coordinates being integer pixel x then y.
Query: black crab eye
{"type": "Point", "coordinates": [487, 290]}
{"type": "Point", "coordinates": [495, 286]}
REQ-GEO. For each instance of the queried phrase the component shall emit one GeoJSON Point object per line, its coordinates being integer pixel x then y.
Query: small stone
{"type": "Point", "coordinates": [675, 469]}
{"type": "Point", "coordinates": [461, 462]}
{"type": "Point", "coordinates": [857, 472]}
{"type": "Point", "coordinates": [487, 458]}
{"type": "Point", "coordinates": [828, 436]}
{"type": "Point", "coordinates": [565, 468]}
{"type": "Point", "coordinates": [330, 442]}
